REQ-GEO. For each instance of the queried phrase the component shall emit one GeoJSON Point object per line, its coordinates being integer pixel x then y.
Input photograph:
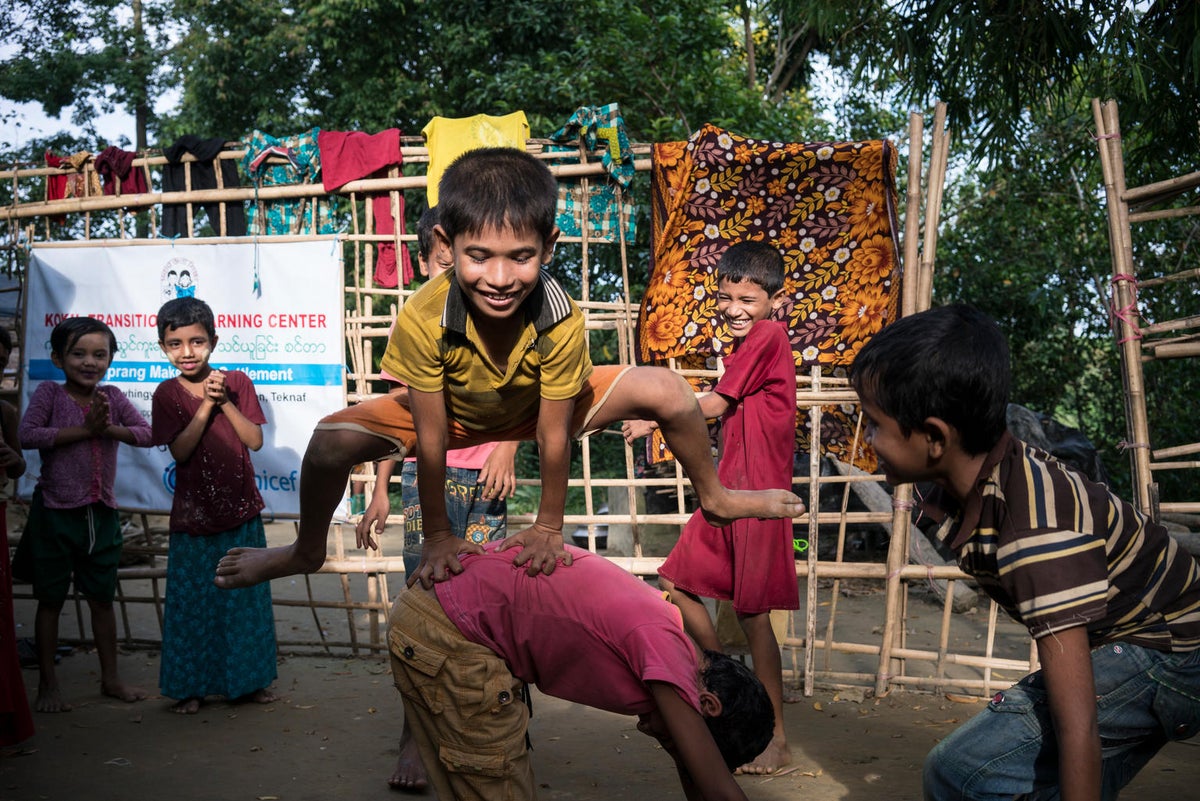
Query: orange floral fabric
{"type": "Point", "coordinates": [830, 209]}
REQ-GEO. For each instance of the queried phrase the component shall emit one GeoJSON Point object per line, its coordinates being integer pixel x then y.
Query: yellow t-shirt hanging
{"type": "Point", "coordinates": [448, 138]}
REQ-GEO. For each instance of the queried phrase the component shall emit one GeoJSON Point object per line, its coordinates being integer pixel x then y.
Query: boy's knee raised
{"type": "Point", "coordinates": [331, 450]}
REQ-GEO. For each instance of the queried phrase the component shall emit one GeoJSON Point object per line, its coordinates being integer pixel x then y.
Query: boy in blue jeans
{"type": "Point", "coordinates": [1111, 601]}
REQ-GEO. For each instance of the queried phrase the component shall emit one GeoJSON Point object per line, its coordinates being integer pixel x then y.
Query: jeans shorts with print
{"type": "Point", "coordinates": [1144, 698]}
{"type": "Point", "coordinates": [471, 517]}
{"type": "Point", "coordinates": [465, 708]}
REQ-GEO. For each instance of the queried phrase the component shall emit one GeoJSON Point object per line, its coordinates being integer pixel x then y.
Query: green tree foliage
{"type": "Point", "coordinates": [372, 64]}
{"type": "Point", "coordinates": [994, 62]}
{"type": "Point", "coordinates": [91, 56]}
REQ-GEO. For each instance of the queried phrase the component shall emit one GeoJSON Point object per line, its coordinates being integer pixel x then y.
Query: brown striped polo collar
{"type": "Point", "coordinates": [973, 506]}
{"type": "Point", "coordinates": [548, 304]}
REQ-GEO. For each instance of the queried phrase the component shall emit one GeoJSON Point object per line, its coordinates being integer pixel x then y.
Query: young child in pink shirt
{"type": "Point", "coordinates": [74, 530]}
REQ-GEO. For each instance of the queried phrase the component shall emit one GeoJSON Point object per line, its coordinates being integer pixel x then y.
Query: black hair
{"type": "Point", "coordinates": [747, 721]}
{"type": "Point", "coordinates": [425, 226]}
{"type": "Point", "coordinates": [182, 312]}
{"type": "Point", "coordinates": [752, 261]}
{"type": "Point", "coordinates": [69, 331]}
{"type": "Point", "coordinates": [6, 341]}
{"type": "Point", "coordinates": [950, 362]}
{"type": "Point", "coordinates": [497, 187]}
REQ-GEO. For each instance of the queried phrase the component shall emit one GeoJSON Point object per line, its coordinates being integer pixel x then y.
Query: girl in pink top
{"type": "Point", "coordinates": [74, 531]}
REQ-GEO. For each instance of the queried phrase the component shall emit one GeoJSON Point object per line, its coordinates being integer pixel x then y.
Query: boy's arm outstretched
{"type": "Point", "coordinates": [374, 519]}
{"type": "Point", "coordinates": [683, 734]}
{"type": "Point", "coordinates": [543, 541]}
{"type": "Point", "coordinates": [1070, 687]}
{"type": "Point", "coordinates": [439, 553]}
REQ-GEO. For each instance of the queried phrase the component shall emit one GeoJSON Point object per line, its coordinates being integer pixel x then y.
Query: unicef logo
{"type": "Point", "coordinates": [168, 478]}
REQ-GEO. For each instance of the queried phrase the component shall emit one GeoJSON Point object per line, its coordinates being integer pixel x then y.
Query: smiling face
{"type": "Point", "coordinates": [743, 303]}
{"type": "Point", "coordinates": [903, 457]}
{"type": "Point", "coordinates": [85, 361]}
{"type": "Point", "coordinates": [188, 348]}
{"type": "Point", "coordinates": [497, 269]}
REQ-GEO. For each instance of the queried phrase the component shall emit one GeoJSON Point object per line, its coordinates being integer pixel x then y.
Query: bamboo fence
{"type": "Point", "coordinates": [857, 626]}
{"type": "Point", "coordinates": [1139, 341]}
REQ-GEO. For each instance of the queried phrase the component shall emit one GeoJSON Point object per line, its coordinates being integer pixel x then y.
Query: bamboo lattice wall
{"type": "Point", "coordinates": [858, 623]}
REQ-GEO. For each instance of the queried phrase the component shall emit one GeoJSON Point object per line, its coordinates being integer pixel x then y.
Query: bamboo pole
{"type": "Point", "coordinates": [1108, 140]}
{"type": "Point", "coordinates": [1179, 350]}
{"type": "Point", "coordinates": [897, 559]}
{"type": "Point", "coordinates": [1159, 190]}
{"type": "Point", "coordinates": [912, 214]}
{"type": "Point", "coordinates": [814, 502]}
{"type": "Point", "coordinates": [1164, 214]}
{"type": "Point", "coordinates": [939, 152]}
{"type": "Point", "coordinates": [234, 194]}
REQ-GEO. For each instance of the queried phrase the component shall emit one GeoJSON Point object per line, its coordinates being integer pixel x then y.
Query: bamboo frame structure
{"type": "Point", "coordinates": [349, 598]}
{"type": "Point", "coordinates": [1139, 341]}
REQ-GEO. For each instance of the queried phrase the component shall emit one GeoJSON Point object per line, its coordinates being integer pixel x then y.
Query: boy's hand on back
{"type": "Point", "coordinates": [439, 559]}
{"type": "Point", "coordinates": [542, 549]}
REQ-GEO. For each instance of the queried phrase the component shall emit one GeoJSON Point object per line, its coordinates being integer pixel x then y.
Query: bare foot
{"type": "Point", "coordinates": [769, 761]}
{"type": "Point", "coordinates": [263, 696]}
{"type": "Point", "coordinates": [766, 504]}
{"type": "Point", "coordinates": [49, 699]}
{"type": "Point", "coordinates": [188, 706]}
{"type": "Point", "coordinates": [122, 691]}
{"type": "Point", "coordinates": [409, 775]}
{"type": "Point", "coordinates": [245, 567]}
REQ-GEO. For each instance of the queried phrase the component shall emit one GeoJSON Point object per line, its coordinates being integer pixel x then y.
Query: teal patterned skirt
{"type": "Point", "coordinates": [215, 641]}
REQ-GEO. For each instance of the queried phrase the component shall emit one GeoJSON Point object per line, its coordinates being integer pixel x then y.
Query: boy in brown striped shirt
{"type": "Point", "coordinates": [1110, 599]}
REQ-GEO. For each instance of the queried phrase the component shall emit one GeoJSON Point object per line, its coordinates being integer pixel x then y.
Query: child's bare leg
{"type": "Point", "coordinates": [104, 628]}
{"type": "Point", "coordinates": [409, 775]}
{"type": "Point", "coordinates": [49, 693]}
{"type": "Point", "coordinates": [656, 393]}
{"type": "Point", "coordinates": [696, 620]}
{"type": "Point", "coordinates": [330, 456]}
{"type": "Point", "coordinates": [768, 666]}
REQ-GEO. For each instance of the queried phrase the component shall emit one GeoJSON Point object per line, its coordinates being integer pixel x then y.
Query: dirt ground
{"type": "Point", "coordinates": [333, 734]}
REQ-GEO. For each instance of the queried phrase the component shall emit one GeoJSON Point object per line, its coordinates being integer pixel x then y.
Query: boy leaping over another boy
{"type": "Point", "coordinates": [493, 350]}
{"type": "Point", "coordinates": [1111, 601]}
{"type": "Point", "coordinates": [595, 635]}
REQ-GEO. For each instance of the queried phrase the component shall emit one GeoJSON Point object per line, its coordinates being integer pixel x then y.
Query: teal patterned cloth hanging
{"type": "Point", "coordinates": [605, 203]}
{"type": "Point", "coordinates": [302, 165]}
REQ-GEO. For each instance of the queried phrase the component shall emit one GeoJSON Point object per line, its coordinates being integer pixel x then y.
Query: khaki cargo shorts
{"type": "Point", "coordinates": [466, 710]}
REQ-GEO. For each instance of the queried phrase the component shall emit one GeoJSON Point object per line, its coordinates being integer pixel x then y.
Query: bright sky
{"type": "Point", "coordinates": [20, 122]}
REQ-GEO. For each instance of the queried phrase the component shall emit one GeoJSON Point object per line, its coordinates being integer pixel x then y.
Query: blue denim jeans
{"type": "Point", "coordinates": [471, 517]}
{"type": "Point", "coordinates": [1144, 698]}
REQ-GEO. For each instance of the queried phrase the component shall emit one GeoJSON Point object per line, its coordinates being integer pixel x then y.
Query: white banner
{"type": "Point", "coordinates": [278, 310]}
